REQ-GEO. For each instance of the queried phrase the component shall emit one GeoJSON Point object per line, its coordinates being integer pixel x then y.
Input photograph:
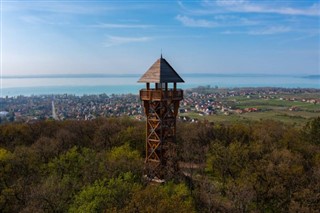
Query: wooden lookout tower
{"type": "Point", "coordinates": [161, 104]}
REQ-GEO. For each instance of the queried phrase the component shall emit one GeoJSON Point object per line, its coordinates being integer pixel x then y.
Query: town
{"type": "Point", "coordinates": [198, 103]}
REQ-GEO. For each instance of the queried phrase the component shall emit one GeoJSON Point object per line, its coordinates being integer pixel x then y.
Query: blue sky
{"type": "Point", "coordinates": [217, 36]}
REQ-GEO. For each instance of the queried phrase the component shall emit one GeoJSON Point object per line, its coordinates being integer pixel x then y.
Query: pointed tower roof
{"type": "Point", "coordinates": [160, 72]}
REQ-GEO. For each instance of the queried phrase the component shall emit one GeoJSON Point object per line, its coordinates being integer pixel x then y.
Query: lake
{"type": "Point", "coordinates": [123, 84]}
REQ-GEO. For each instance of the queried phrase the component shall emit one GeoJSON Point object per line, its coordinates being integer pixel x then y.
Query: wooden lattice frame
{"type": "Point", "coordinates": [160, 131]}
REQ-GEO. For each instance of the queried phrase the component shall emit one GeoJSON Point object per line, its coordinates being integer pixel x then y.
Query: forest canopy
{"type": "Point", "coordinates": [97, 166]}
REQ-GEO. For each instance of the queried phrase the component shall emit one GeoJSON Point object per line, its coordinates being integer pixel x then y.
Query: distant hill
{"type": "Point", "coordinates": [312, 76]}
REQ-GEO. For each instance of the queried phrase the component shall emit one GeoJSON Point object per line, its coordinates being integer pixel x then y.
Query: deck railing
{"type": "Point", "coordinates": [158, 94]}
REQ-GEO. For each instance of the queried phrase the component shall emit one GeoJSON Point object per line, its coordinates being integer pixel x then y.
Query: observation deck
{"type": "Point", "coordinates": [161, 95]}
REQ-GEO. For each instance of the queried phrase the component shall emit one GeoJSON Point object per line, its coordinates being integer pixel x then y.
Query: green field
{"type": "Point", "coordinates": [275, 109]}
{"type": "Point", "coordinates": [277, 104]}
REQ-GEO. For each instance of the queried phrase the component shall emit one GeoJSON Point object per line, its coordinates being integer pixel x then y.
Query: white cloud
{"type": "Point", "coordinates": [270, 30]}
{"type": "Point", "coordinates": [231, 20]}
{"type": "Point", "coordinates": [64, 7]}
{"type": "Point", "coordinates": [46, 20]}
{"type": "Point", "coordinates": [33, 20]}
{"type": "Point", "coordinates": [249, 14]}
{"type": "Point", "coordinates": [314, 10]}
{"type": "Point", "coordinates": [110, 25]}
{"type": "Point", "coordinates": [190, 22]}
{"type": "Point", "coordinates": [248, 7]}
{"type": "Point", "coordinates": [76, 7]}
{"type": "Point", "coordinates": [230, 2]}
{"type": "Point", "coordinates": [228, 32]}
{"type": "Point", "coordinates": [265, 31]}
{"type": "Point", "coordinates": [218, 21]}
{"type": "Point", "coordinates": [119, 40]}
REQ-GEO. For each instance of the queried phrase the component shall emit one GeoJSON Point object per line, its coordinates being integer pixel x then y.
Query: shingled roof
{"type": "Point", "coordinates": [160, 72]}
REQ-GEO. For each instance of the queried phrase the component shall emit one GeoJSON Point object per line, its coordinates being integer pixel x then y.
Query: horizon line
{"type": "Point", "coordinates": [108, 75]}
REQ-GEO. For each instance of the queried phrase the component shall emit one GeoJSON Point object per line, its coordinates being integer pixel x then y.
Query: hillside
{"type": "Point", "coordinates": [97, 166]}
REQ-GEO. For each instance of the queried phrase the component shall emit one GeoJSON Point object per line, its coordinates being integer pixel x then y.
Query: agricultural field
{"type": "Point", "coordinates": [296, 108]}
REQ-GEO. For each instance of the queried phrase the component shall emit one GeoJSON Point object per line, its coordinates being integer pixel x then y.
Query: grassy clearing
{"type": "Point", "coordinates": [270, 106]}
{"type": "Point", "coordinates": [299, 118]}
{"type": "Point", "coordinates": [271, 103]}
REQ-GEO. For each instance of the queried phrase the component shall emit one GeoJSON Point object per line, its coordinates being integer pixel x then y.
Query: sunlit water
{"type": "Point", "coordinates": [128, 84]}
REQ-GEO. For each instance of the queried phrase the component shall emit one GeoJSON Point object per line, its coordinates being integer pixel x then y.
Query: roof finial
{"type": "Point", "coordinates": [161, 54]}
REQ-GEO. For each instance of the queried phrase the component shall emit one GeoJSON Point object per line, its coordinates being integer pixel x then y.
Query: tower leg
{"type": "Point", "coordinates": [161, 158]}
